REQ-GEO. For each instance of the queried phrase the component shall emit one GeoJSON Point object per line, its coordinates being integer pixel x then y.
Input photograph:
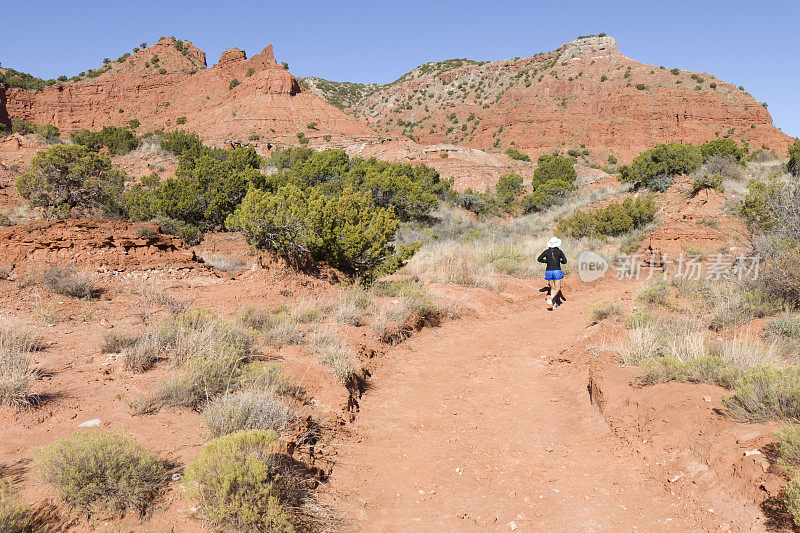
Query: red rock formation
{"type": "Point", "coordinates": [585, 95]}
{"type": "Point", "coordinates": [161, 83]}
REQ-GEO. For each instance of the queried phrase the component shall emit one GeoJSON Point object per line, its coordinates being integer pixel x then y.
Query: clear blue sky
{"type": "Point", "coordinates": [754, 44]}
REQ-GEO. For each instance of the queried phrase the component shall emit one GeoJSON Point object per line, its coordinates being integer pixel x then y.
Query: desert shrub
{"type": "Point", "coordinates": [706, 181]}
{"type": "Point", "coordinates": [64, 280]}
{"type": "Point", "coordinates": [553, 179]}
{"type": "Point", "coordinates": [614, 219]}
{"type": "Point", "coordinates": [736, 305]}
{"type": "Point", "coordinates": [65, 179]}
{"type": "Point", "coordinates": [794, 158]}
{"type": "Point", "coordinates": [723, 148]}
{"type": "Point", "coordinates": [17, 345]}
{"type": "Point", "coordinates": [638, 319]}
{"type": "Point", "coordinates": [513, 153]}
{"type": "Point", "coordinates": [508, 188]}
{"type": "Point", "coordinates": [134, 123]}
{"type": "Point", "coordinates": [47, 132]}
{"type": "Point", "coordinates": [117, 140]}
{"type": "Point", "coordinates": [249, 409]}
{"type": "Point", "coordinates": [788, 439]}
{"type": "Point", "coordinates": [612, 160]}
{"type": "Point", "coordinates": [605, 309]}
{"type": "Point", "coordinates": [706, 369]}
{"type": "Point", "coordinates": [234, 82]}
{"type": "Point", "coordinates": [180, 121]}
{"type": "Point", "coordinates": [116, 342]}
{"type": "Point", "coordinates": [301, 138]}
{"type": "Point", "coordinates": [14, 78]}
{"type": "Point", "coordinates": [791, 498]}
{"type": "Point", "coordinates": [765, 392]}
{"type": "Point", "coordinates": [241, 481]}
{"type": "Point", "coordinates": [655, 168]}
{"type": "Point", "coordinates": [15, 516]}
{"type": "Point", "coordinates": [103, 470]}
{"type": "Point", "coordinates": [655, 294]}
{"type": "Point", "coordinates": [782, 327]}
{"type": "Point", "coordinates": [349, 231]}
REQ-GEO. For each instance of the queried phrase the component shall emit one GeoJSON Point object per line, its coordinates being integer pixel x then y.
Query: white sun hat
{"type": "Point", "coordinates": [554, 242]}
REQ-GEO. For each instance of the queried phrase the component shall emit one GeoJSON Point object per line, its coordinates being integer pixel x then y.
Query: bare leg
{"type": "Point", "coordinates": [556, 290]}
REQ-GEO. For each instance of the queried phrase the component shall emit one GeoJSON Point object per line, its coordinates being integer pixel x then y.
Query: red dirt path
{"type": "Point", "coordinates": [482, 425]}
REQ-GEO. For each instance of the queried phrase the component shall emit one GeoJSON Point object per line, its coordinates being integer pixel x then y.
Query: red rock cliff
{"type": "Point", "coordinates": [162, 83]}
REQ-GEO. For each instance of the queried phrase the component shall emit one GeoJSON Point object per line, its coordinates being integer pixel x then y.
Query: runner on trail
{"type": "Point", "coordinates": [553, 258]}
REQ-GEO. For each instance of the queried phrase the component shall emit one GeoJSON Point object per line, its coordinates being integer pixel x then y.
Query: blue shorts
{"type": "Point", "coordinates": [552, 275]}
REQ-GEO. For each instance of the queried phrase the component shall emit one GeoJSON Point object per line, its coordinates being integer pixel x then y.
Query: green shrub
{"type": "Point", "coordinates": [612, 160]}
{"type": "Point", "coordinates": [301, 138]}
{"type": "Point", "coordinates": [134, 123]}
{"type": "Point", "coordinates": [656, 294]}
{"type": "Point", "coordinates": [638, 319]}
{"type": "Point", "coordinates": [48, 132]}
{"type": "Point", "coordinates": [553, 179]}
{"type": "Point", "coordinates": [241, 481]}
{"type": "Point", "coordinates": [789, 445]}
{"type": "Point", "coordinates": [641, 86]}
{"type": "Point", "coordinates": [794, 158]}
{"type": "Point", "coordinates": [508, 188]}
{"type": "Point", "coordinates": [180, 120]}
{"type": "Point", "coordinates": [13, 78]}
{"type": "Point", "coordinates": [15, 516]}
{"type": "Point", "coordinates": [117, 140]}
{"type": "Point", "coordinates": [782, 327]}
{"type": "Point", "coordinates": [102, 470]}
{"type": "Point", "coordinates": [655, 168]}
{"type": "Point", "coordinates": [723, 148]}
{"type": "Point", "coordinates": [705, 369]}
{"type": "Point", "coordinates": [766, 392]}
{"type": "Point", "coordinates": [64, 179]}
{"type": "Point", "coordinates": [234, 82]}
{"type": "Point", "coordinates": [348, 231]}
{"type": "Point", "coordinates": [614, 219]}
{"type": "Point", "coordinates": [791, 498]}
{"type": "Point", "coordinates": [706, 181]}
{"type": "Point", "coordinates": [513, 153]}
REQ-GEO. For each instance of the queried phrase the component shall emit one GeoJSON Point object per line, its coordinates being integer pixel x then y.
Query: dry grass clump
{"type": "Point", "coordinates": [102, 470]}
{"type": "Point", "coordinates": [155, 301]}
{"type": "Point", "coordinates": [64, 280]}
{"type": "Point", "coordinates": [15, 516]}
{"type": "Point", "coordinates": [605, 309]}
{"type": "Point", "coordinates": [282, 329]}
{"type": "Point", "coordinates": [408, 314]}
{"type": "Point", "coordinates": [249, 409]}
{"type": "Point", "coordinates": [731, 303]}
{"type": "Point", "coordinates": [209, 356]}
{"type": "Point", "coordinates": [279, 328]}
{"type": "Point", "coordinates": [116, 342]}
{"type": "Point", "coordinates": [224, 263]}
{"type": "Point", "coordinates": [352, 305]}
{"type": "Point", "coordinates": [17, 345]}
{"type": "Point", "coordinates": [325, 342]}
{"type": "Point", "coordinates": [656, 294]}
{"type": "Point", "coordinates": [310, 311]}
{"type": "Point", "coordinates": [271, 379]}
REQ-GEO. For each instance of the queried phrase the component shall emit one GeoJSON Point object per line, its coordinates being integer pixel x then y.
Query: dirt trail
{"type": "Point", "coordinates": [478, 424]}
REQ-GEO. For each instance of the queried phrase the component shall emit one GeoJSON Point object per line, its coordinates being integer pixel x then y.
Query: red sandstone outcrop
{"type": "Point", "coordinates": [169, 80]}
{"type": "Point", "coordinates": [585, 95]}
